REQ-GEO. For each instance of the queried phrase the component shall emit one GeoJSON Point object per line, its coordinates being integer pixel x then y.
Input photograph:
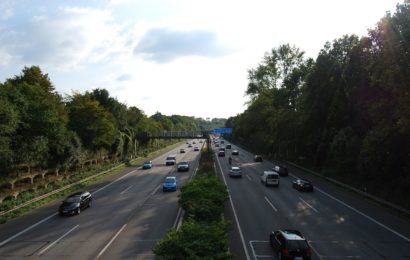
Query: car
{"type": "Point", "coordinates": [270, 178]}
{"type": "Point", "coordinates": [182, 150]}
{"type": "Point", "coordinates": [222, 141]}
{"type": "Point", "coordinates": [196, 148]}
{"type": "Point", "coordinates": [170, 184]}
{"type": "Point", "coordinates": [235, 152]}
{"type": "Point", "coordinates": [282, 170]}
{"type": "Point", "coordinates": [235, 171]}
{"type": "Point", "coordinates": [193, 142]}
{"type": "Point", "coordinates": [171, 160]}
{"type": "Point", "coordinates": [221, 149]}
{"type": "Point", "coordinates": [183, 166]}
{"type": "Point", "coordinates": [258, 158]}
{"type": "Point", "coordinates": [75, 203]}
{"type": "Point", "coordinates": [302, 185]}
{"type": "Point", "coordinates": [228, 146]}
{"type": "Point", "coordinates": [200, 141]}
{"type": "Point", "coordinates": [189, 145]}
{"type": "Point", "coordinates": [147, 165]}
{"type": "Point", "coordinates": [290, 244]}
{"type": "Point", "coordinates": [221, 153]}
{"type": "Point", "coordinates": [217, 145]}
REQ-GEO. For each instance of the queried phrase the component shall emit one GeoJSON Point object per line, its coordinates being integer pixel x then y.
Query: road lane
{"type": "Point", "coordinates": [333, 230]}
{"type": "Point", "coordinates": [116, 203]}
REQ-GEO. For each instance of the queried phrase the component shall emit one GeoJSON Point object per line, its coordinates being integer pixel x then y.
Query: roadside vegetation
{"type": "Point", "coordinates": [345, 113]}
{"type": "Point", "coordinates": [202, 234]}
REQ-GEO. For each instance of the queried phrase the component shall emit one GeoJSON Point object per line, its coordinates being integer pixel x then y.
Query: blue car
{"type": "Point", "coordinates": [147, 165]}
{"type": "Point", "coordinates": [170, 184]}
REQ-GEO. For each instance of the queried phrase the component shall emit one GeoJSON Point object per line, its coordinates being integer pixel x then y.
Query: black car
{"type": "Point", "coordinates": [290, 244]}
{"type": "Point", "coordinates": [74, 203]}
{"type": "Point", "coordinates": [282, 170]}
{"type": "Point", "coordinates": [221, 153]}
{"type": "Point", "coordinates": [228, 146]}
{"type": "Point", "coordinates": [302, 185]}
{"type": "Point", "coordinates": [258, 158]}
{"type": "Point", "coordinates": [235, 152]}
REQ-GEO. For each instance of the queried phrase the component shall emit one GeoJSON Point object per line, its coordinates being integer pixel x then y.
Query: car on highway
{"type": "Point", "coordinates": [193, 142]}
{"type": "Point", "coordinates": [147, 165]}
{"type": "Point", "coordinates": [270, 178]}
{"type": "Point", "coordinates": [221, 153]}
{"type": "Point", "coordinates": [182, 150]}
{"type": "Point", "coordinates": [170, 184]}
{"type": "Point", "coordinates": [216, 145]}
{"type": "Point", "coordinates": [235, 171]}
{"type": "Point", "coordinates": [290, 244]}
{"type": "Point", "coordinates": [222, 141]}
{"type": "Point", "coordinates": [258, 158]}
{"type": "Point", "coordinates": [189, 145]}
{"type": "Point", "coordinates": [196, 148]}
{"type": "Point", "coordinates": [183, 166]}
{"type": "Point", "coordinates": [282, 170]}
{"type": "Point", "coordinates": [228, 146]}
{"type": "Point", "coordinates": [235, 152]}
{"type": "Point", "coordinates": [171, 160]}
{"type": "Point", "coordinates": [221, 148]}
{"type": "Point", "coordinates": [201, 141]}
{"type": "Point", "coordinates": [302, 185]}
{"type": "Point", "coordinates": [76, 202]}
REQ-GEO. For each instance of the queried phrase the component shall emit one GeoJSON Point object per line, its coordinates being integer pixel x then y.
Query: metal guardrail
{"type": "Point", "coordinates": [348, 187]}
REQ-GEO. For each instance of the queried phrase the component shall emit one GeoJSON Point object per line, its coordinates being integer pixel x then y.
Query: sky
{"type": "Point", "coordinates": [184, 57]}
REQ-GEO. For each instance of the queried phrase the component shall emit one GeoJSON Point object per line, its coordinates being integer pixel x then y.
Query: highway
{"type": "Point", "coordinates": [337, 224]}
{"type": "Point", "coordinates": [130, 212]}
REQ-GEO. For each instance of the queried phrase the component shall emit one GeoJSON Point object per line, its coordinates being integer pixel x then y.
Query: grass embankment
{"type": "Point", "coordinates": [203, 233]}
{"type": "Point", "coordinates": [110, 169]}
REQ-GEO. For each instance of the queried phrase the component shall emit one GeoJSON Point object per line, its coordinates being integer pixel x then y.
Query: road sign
{"type": "Point", "coordinates": [222, 130]}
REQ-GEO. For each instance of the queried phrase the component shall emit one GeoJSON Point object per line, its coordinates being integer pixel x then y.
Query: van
{"type": "Point", "coordinates": [270, 178]}
{"type": "Point", "coordinates": [171, 160]}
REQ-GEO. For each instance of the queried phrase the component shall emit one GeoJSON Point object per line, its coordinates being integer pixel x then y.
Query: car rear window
{"type": "Point", "coordinates": [170, 158]}
{"type": "Point", "coordinates": [297, 244]}
{"type": "Point", "coordinates": [272, 176]}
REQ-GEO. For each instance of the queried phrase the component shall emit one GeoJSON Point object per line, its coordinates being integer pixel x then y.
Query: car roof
{"type": "Point", "coordinates": [183, 163]}
{"type": "Point", "coordinates": [292, 234]}
{"type": "Point", "coordinates": [78, 193]}
{"type": "Point", "coordinates": [148, 162]}
{"type": "Point", "coordinates": [270, 172]}
{"type": "Point", "coordinates": [304, 180]}
{"type": "Point", "coordinates": [171, 178]}
{"type": "Point", "coordinates": [235, 168]}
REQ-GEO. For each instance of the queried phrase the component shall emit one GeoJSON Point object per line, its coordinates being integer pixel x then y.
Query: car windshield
{"type": "Point", "coordinates": [297, 244]}
{"type": "Point", "coordinates": [170, 158]}
{"type": "Point", "coordinates": [183, 163]}
{"type": "Point", "coordinates": [272, 176]}
{"type": "Point", "coordinates": [147, 162]}
{"type": "Point", "coordinates": [169, 180]}
{"type": "Point", "coordinates": [72, 199]}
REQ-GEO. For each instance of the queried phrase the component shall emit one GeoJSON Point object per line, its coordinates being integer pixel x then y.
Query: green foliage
{"type": "Point", "coordinates": [203, 198]}
{"type": "Point", "coordinates": [195, 240]}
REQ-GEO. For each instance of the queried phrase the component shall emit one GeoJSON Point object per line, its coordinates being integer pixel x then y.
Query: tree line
{"type": "Point", "coordinates": [41, 128]}
{"type": "Point", "coordinates": [345, 113]}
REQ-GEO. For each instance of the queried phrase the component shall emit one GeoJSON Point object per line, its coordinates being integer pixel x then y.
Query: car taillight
{"type": "Point", "coordinates": [308, 252]}
{"type": "Point", "coordinates": [285, 251]}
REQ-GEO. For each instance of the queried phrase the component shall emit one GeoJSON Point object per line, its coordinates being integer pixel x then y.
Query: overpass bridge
{"type": "Point", "coordinates": [179, 134]}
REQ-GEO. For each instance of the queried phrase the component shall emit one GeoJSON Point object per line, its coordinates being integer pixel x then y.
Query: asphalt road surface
{"type": "Point", "coordinates": [337, 224]}
{"type": "Point", "coordinates": [129, 213]}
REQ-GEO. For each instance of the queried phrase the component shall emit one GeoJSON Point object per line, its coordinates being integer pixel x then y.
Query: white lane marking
{"type": "Point", "coordinates": [361, 213]}
{"type": "Point", "coordinates": [177, 217]}
{"type": "Point", "coordinates": [155, 191]}
{"type": "Point", "coordinates": [234, 213]}
{"type": "Point", "coordinates": [270, 203]}
{"type": "Point", "coordinates": [310, 206]}
{"type": "Point", "coordinates": [55, 242]}
{"type": "Point", "coordinates": [112, 240]}
{"type": "Point", "coordinates": [249, 178]}
{"type": "Point", "coordinates": [111, 183]}
{"type": "Point", "coordinates": [124, 191]}
{"type": "Point", "coordinates": [27, 229]}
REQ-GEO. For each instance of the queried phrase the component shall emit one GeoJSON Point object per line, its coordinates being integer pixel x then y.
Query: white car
{"type": "Point", "coordinates": [235, 172]}
{"type": "Point", "coordinates": [171, 160]}
{"type": "Point", "coordinates": [270, 178]}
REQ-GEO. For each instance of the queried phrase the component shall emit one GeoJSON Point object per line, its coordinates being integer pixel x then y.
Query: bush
{"type": "Point", "coordinates": [194, 240]}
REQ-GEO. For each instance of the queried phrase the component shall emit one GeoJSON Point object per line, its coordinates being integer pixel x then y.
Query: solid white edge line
{"type": "Point", "coordinates": [361, 213]}
{"type": "Point", "coordinates": [310, 206]}
{"type": "Point", "coordinates": [27, 229]}
{"type": "Point", "coordinates": [253, 250]}
{"type": "Point", "coordinates": [270, 203]}
{"type": "Point", "coordinates": [234, 213]}
{"type": "Point", "coordinates": [55, 242]}
{"type": "Point", "coordinates": [112, 240]}
{"type": "Point", "coordinates": [249, 178]}
{"type": "Point", "coordinates": [122, 192]}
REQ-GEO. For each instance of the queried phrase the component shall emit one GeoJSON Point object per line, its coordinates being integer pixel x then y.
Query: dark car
{"type": "Point", "coordinates": [196, 149]}
{"type": "Point", "coordinates": [235, 152]}
{"type": "Point", "coordinates": [228, 146]}
{"type": "Point", "coordinates": [290, 244]}
{"type": "Point", "coordinates": [182, 150]}
{"type": "Point", "coordinates": [282, 170]}
{"type": "Point", "coordinates": [221, 153]}
{"type": "Point", "coordinates": [302, 185]}
{"type": "Point", "coordinates": [74, 203]}
{"type": "Point", "coordinates": [183, 166]}
{"type": "Point", "coordinates": [258, 158]}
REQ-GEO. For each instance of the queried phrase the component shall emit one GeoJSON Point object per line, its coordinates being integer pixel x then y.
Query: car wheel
{"type": "Point", "coordinates": [89, 204]}
{"type": "Point", "coordinates": [78, 211]}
